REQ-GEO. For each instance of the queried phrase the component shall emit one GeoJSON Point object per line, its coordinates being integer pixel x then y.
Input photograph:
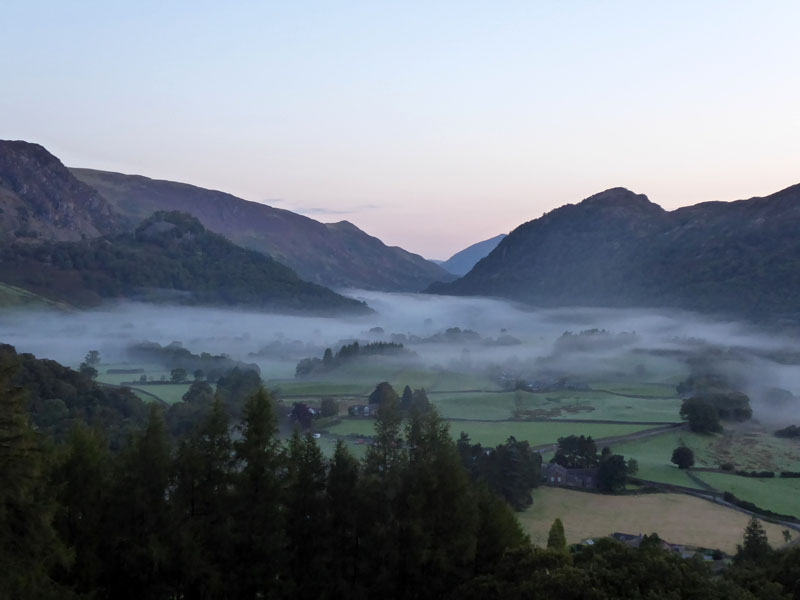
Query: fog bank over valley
{"type": "Point", "coordinates": [512, 343]}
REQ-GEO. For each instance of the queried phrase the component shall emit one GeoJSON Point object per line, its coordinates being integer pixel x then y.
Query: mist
{"type": "Point", "coordinates": [493, 336]}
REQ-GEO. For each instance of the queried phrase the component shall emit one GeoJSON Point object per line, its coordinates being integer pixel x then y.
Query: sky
{"type": "Point", "coordinates": [431, 125]}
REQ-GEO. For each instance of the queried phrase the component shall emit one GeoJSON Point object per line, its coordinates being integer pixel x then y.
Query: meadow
{"type": "Point", "coordinates": [677, 518]}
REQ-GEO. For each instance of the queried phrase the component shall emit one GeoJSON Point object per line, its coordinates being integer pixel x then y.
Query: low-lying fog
{"type": "Point", "coordinates": [524, 342]}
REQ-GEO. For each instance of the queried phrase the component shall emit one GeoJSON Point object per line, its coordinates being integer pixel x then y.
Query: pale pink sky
{"type": "Point", "coordinates": [429, 125]}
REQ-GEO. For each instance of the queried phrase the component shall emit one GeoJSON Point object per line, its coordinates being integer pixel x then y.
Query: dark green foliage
{"type": "Point", "coordinates": [683, 457]}
{"type": "Point", "coordinates": [510, 470]}
{"type": "Point", "coordinates": [556, 539]}
{"type": "Point", "coordinates": [170, 257]}
{"type": "Point", "coordinates": [175, 356]}
{"type": "Point", "coordinates": [612, 473]}
{"type": "Point", "coordinates": [383, 393]}
{"type": "Point", "coordinates": [702, 417]}
{"type": "Point", "coordinates": [329, 407]}
{"type": "Point", "coordinates": [247, 519]}
{"type": "Point", "coordinates": [756, 547]}
{"type": "Point", "coordinates": [791, 431]}
{"type": "Point", "coordinates": [58, 397]}
{"type": "Point", "coordinates": [576, 452]}
{"type": "Point", "coordinates": [346, 355]}
{"type": "Point", "coordinates": [29, 545]}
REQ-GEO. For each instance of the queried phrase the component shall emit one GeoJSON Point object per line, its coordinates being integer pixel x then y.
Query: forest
{"type": "Point", "coordinates": [228, 510]}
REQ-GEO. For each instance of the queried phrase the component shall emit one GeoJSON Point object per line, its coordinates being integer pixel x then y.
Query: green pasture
{"type": "Point", "coordinates": [642, 390]}
{"type": "Point", "coordinates": [776, 494]}
{"type": "Point", "coordinates": [479, 405]}
{"type": "Point", "coordinates": [14, 297]}
{"type": "Point", "coordinates": [654, 453]}
{"type": "Point", "coordinates": [494, 433]}
{"type": "Point", "coordinates": [596, 405]}
{"type": "Point", "coordinates": [168, 392]}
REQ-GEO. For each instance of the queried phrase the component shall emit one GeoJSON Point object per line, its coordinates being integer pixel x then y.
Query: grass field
{"type": "Point", "coordinates": [478, 405]}
{"type": "Point", "coordinates": [599, 405]}
{"type": "Point", "coordinates": [492, 434]}
{"type": "Point", "coordinates": [776, 494]}
{"type": "Point", "coordinates": [13, 297]}
{"type": "Point", "coordinates": [168, 392]}
{"type": "Point", "coordinates": [677, 518]}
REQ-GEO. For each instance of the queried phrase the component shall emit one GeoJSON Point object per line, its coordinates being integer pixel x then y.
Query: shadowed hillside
{"type": "Point", "coordinates": [338, 254]}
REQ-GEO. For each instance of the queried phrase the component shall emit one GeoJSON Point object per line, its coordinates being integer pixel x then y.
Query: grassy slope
{"type": "Point", "coordinates": [491, 434]}
{"type": "Point", "coordinates": [776, 494]}
{"type": "Point", "coordinates": [677, 518]}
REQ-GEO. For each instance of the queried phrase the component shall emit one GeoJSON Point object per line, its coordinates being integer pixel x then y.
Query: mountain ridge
{"type": "Point", "coordinates": [618, 249]}
{"type": "Point", "coordinates": [331, 254]}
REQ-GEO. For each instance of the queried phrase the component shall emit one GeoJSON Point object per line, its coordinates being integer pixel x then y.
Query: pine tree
{"type": "Point", "coordinates": [556, 539]}
{"type": "Point", "coordinates": [201, 504]}
{"type": "Point", "coordinates": [82, 476]}
{"type": "Point", "coordinates": [306, 518]}
{"type": "Point", "coordinates": [344, 507]}
{"type": "Point", "coordinates": [756, 546]}
{"type": "Point", "coordinates": [139, 520]}
{"type": "Point", "coordinates": [258, 536]}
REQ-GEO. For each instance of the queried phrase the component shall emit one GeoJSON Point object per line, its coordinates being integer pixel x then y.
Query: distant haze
{"type": "Point", "coordinates": [658, 343]}
{"type": "Point", "coordinates": [429, 125]}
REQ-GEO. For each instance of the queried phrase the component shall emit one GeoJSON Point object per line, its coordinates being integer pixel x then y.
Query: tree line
{"type": "Point", "coordinates": [229, 510]}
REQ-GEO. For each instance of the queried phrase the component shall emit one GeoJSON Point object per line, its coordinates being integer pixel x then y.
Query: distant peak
{"type": "Point", "coordinates": [619, 197]}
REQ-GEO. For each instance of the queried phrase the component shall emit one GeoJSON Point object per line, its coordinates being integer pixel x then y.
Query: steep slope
{"type": "Point", "coordinates": [339, 255]}
{"type": "Point", "coordinates": [462, 262]}
{"type": "Point", "coordinates": [618, 249]}
{"type": "Point", "coordinates": [170, 257]}
{"type": "Point", "coordinates": [41, 199]}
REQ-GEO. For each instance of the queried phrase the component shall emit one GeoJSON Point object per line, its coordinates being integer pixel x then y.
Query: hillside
{"type": "Point", "coordinates": [618, 249]}
{"type": "Point", "coordinates": [40, 198]}
{"type": "Point", "coordinates": [338, 254]}
{"type": "Point", "coordinates": [462, 262]}
{"type": "Point", "coordinates": [169, 257]}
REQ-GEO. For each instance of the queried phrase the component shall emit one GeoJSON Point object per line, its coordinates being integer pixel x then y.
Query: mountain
{"type": "Point", "coordinates": [169, 257]}
{"type": "Point", "coordinates": [40, 198]}
{"type": "Point", "coordinates": [462, 262]}
{"type": "Point", "coordinates": [618, 249]}
{"type": "Point", "coordinates": [337, 254]}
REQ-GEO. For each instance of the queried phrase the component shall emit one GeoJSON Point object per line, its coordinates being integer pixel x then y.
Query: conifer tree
{"type": "Point", "coordinates": [258, 525]}
{"type": "Point", "coordinates": [556, 539]}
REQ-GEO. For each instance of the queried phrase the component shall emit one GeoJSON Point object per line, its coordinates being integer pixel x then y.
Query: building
{"type": "Point", "coordinates": [555, 474]}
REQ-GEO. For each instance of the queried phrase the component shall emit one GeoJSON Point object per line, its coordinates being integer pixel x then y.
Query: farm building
{"type": "Point", "coordinates": [555, 474]}
{"type": "Point", "coordinates": [362, 410]}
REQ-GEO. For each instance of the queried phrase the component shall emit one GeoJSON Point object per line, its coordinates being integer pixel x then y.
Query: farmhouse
{"type": "Point", "coordinates": [555, 474]}
{"type": "Point", "coordinates": [362, 410]}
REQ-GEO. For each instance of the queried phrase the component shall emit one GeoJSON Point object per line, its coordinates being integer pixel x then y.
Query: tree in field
{"type": "Point", "coordinates": [756, 547]}
{"type": "Point", "coordinates": [383, 392]}
{"type": "Point", "coordinates": [575, 452]}
{"type": "Point", "coordinates": [177, 375]}
{"type": "Point", "coordinates": [556, 539]}
{"type": "Point", "coordinates": [702, 416]}
{"type": "Point", "coordinates": [683, 457]}
{"type": "Point", "coordinates": [612, 473]}
{"type": "Point", "coordinates": [632, 466]}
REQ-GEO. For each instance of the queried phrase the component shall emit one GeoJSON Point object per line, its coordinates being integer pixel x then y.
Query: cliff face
{"type": "Point", "coordinates": [41, 199]}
